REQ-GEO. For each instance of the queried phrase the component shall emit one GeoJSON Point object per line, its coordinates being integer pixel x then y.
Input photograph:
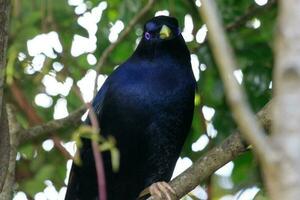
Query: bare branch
{"type": "Point", "coordinates": [37, 131]}
{"type": "Point", "coordinates": [252, 11]}
{"type": "Point", "coordinates": [208, 164]}
{"type": "Point", "coordinates": [224, 56]}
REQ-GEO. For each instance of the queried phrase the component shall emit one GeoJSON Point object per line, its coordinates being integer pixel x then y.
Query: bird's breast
{"type": "Point", "coordinates": [140, 96]}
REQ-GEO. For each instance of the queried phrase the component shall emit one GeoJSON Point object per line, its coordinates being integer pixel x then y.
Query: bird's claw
{"type": "Point", "coordinates": [162, 191]}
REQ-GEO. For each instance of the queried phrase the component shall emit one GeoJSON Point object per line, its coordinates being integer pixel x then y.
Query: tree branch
{"type": "Point", "coordinates": [248, 15]}
{"type": "Point", "coordinates": [224, 56]}
{"type": "Point", "coordinates": [54, 125]}
{"type": "Point", "coordinates": [252, 11]}
{"type": "Point", "coordinates": [208, 164]}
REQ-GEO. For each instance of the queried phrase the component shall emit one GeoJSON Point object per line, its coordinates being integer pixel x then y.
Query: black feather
{"type": "Point", "coordinates": [147, 105]}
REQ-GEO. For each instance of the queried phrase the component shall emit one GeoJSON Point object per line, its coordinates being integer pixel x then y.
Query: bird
{"type": "Point", "coordinates": [147, 106]}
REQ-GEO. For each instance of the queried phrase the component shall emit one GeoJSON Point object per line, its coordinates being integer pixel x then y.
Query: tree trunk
{"type": "Point", "coordinates": [4, 133]}
{"type": "Point", "coordinates": [283, 177]}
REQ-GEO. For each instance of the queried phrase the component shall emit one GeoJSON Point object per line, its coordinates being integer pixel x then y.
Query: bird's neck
{"type": "Point", "coordinates": [175, 49]}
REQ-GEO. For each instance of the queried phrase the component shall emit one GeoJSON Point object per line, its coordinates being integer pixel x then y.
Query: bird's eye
{"type": "Point", "coordinates": [147, 36]}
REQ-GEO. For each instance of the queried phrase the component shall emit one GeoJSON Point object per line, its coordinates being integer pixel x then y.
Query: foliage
{"type": "Point", "coordinates": [29, 19]}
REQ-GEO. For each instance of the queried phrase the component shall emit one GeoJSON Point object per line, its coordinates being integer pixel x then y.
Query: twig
{"type": "Point", "coordinates": [97, 155]}
{"type": "Point", "coordinates": [96, 151]}
{"type": "Point", "coordinates": [251, 11]}
{"type": "Point", "coordinates": [224, 56]}
{"type": "Point", "coordinates": [248, 15]}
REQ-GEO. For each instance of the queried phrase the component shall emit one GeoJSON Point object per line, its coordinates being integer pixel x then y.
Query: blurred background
{"type": "Point", "coordinates": [54, 46]}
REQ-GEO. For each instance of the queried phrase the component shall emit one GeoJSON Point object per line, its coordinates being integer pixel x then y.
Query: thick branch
{"type": "Point", "coordinates": [224, 56]}
{"type": "Point", "coordinates": [208, 164]}
{"type": "Point", "coordinates": [37, 131]}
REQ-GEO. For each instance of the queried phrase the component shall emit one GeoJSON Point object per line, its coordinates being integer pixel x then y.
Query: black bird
{"type": "Point", "coordinates": [147, 105]}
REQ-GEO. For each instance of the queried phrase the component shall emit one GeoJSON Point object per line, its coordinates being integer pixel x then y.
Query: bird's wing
{"type": "Point", "coordinates": [78, 172]}
{"type": "Point", "coordinates": [98, 101]}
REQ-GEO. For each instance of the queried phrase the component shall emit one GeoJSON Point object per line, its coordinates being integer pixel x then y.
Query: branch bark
{"type": "Point", "coordinates": [54, 125]}
{"type": "Point", "coordinates": [7, 191]}
{"type": "Point", "coordinates": [4, 147]}
{"type": "Point", "coordinates": [224, 56]}
{"type": "Point", "coordinates": [205, 166]}
{"type": "Point", "coordinates": [4, 132]}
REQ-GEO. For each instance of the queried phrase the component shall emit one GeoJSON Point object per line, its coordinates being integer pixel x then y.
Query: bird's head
{"type": "Point", "coordinates": [161, 28]}
{"type": "Point", "coordinates": [162, 37]}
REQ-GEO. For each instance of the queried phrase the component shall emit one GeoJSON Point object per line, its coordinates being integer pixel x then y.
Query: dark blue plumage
{"type": "Point", "coordinates": [147, 105]}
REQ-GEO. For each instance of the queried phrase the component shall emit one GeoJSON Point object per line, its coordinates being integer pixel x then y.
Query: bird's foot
{"type": "Point", "coordinates": [162, 191]}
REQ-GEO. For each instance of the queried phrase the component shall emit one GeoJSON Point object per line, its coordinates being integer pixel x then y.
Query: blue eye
{"type": "Point", "coordinates": [147, 36]}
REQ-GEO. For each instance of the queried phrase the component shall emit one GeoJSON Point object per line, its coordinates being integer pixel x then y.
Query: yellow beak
{"type": "Point", "coordinates": [165, 32]}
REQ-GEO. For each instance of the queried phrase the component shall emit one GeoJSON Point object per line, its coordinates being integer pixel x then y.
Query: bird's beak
{"type": "Point", "coordinates": [165, 32]}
